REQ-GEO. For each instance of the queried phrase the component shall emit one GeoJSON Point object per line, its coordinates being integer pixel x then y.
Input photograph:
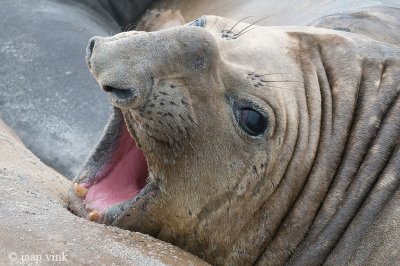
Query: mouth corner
{"type": "Point", "coordinates": [114, 175]}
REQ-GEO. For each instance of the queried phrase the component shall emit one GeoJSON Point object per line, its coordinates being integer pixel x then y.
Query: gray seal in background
{"type": "Point", "coordinates": [46, 92]}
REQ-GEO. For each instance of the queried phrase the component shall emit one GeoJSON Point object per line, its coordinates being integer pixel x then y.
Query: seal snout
{"type": "Point", "coordinates": [102, 57]}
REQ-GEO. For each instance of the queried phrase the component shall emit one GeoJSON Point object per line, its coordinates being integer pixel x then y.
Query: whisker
{"type": "Point", "coordinates": [225, 26]}
{"type": "Point", "coordinates": [238, 34]}
{"type": "Point", "coordinates": [187, 138]}
{"type": "Point", "coordinates": [130, 27]}
{"type": "Point", "coordinates": [238, 23]}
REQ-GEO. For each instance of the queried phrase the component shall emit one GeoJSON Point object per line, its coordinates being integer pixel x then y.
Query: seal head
{"type": "Point", "coordinates": [197, 119]}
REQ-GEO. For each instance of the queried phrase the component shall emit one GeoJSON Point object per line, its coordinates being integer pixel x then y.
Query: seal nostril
{"type": "Point", "coordinates": [91, 44]}
{"type": "Point", "coordinates": [121, 94]}
{"type": "Point", "coordinates": [108, 88]}
{"type": "Point", "coordinates": [89, 49]}
{"type": "Point", "coordinates": [125, 97]}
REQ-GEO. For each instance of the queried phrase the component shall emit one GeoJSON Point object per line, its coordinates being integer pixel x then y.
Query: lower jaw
{"type": "Point", "coordinates": [111, 215]}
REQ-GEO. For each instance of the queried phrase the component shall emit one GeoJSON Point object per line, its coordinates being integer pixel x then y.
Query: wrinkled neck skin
{"type": "Point", "coordinates": [286, 196]}
{"type": "Point", "coordinates": [346, 150]}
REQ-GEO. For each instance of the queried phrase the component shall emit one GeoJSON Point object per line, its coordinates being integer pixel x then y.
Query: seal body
{"type": "Point", "coordinates": [257, 145]}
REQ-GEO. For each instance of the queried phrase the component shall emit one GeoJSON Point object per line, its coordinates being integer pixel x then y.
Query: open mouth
{"type": "Point", "coordinates": [114, 176]}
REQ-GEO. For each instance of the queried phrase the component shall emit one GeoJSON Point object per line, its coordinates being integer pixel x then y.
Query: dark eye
{"type": "Point", "coordinates": [252, 122]}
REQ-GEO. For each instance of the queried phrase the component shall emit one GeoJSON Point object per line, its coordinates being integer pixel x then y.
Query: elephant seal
{"type": "Point", "coordinates": [249, 145]}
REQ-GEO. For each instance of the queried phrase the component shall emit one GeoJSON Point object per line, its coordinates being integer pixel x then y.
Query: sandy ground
{"type": "Point", "coordinates": [36, 227]}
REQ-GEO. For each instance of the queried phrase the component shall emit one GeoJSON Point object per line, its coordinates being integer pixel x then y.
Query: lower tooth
{"type": "Point", "coordinates": [94, 215]}
{"type": "Point", "coordinates": [80, 191]}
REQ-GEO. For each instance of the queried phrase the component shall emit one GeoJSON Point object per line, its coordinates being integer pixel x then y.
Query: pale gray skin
{"type": "Point", "coordinates": [320, 185]}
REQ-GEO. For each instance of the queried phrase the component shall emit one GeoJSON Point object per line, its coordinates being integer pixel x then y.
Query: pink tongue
{"type": "Point", "coordinates": [124, 181]}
